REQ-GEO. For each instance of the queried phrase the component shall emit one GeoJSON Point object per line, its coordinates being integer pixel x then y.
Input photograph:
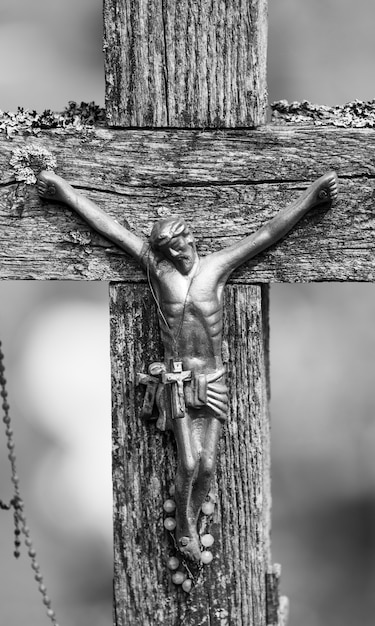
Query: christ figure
{"type": "Point", "coordinates": [189, 290]}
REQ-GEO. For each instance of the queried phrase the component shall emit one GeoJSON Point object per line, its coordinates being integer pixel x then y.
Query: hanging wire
{"type": "Point", "coordinates": [174, 336]}
{"type": "Point", "coordinates": [16, 503]}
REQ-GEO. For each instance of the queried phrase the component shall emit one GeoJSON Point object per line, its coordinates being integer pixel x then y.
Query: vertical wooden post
{"type": "Point", "coordinates": [233, 587]}
{"type": "Point", "coordinates": [186, 64]}
{"type": "Point", "coordinates": [190, 64]}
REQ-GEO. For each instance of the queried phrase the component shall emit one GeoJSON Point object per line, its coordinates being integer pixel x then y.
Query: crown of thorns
{"type": "Point", "coordinates": [165, 230]}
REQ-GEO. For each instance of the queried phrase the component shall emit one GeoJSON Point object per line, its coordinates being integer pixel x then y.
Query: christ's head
{"type": "Point", "coordinates": [173, 238]}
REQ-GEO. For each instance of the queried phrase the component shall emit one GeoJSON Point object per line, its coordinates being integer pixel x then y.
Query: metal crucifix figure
{"type": "Point", "coordinates": [188, 291]}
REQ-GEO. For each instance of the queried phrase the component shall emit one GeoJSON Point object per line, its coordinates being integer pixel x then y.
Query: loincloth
{"type": "Point", "coordinates": [200, 391]}
{"type": "Point", "coordinates": [208, 390]}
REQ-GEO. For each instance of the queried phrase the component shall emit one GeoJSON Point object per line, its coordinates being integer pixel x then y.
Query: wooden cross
{"type": "Point", "coordinates": [186, 109]}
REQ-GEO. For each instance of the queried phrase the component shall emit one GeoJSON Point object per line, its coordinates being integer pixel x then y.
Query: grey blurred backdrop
{"type": "Point", "coordinates": [56, 340]}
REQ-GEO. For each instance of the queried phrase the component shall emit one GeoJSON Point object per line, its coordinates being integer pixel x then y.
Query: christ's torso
{"type": "Point", "coordinates": [193, 316]}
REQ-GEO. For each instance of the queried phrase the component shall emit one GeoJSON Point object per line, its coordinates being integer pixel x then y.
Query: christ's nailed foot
{"type": "Point", "coordinates": [52, 187]}
{"type": "Point", "coordinates": [189, 547]}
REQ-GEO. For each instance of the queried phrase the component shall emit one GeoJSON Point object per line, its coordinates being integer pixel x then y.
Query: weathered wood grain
{"type": "Point", "coordinates": [226, 184]}
{"type": "Point", "coordinates": [186, 63]}
{"type": "Point", "coordinates": [233, 587]}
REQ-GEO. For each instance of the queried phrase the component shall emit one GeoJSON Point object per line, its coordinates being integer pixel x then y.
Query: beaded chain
{"type": "Point", "coordinates": [184, 573]}
{"type": "Point", "coordinates": [17, 504]}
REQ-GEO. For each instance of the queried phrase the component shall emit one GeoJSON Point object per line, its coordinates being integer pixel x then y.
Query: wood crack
{"type": "Point", "coordinates": [359, 176]}
{"type": "Point", "coordinates": [193, 185]}
{"type": "Point", "coordinates": [165, 65]}
{"type": "Point", "coordinates": [200, 184]}
{"type": "Point", "coordinates": [8, 183]}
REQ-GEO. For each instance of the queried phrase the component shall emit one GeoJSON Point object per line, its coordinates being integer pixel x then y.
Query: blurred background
{"type": "Point", "coordinates": [56, 340]}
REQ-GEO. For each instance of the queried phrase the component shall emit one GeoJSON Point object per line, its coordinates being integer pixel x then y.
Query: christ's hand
{"type": "Point", "coordinates": [53, 187]}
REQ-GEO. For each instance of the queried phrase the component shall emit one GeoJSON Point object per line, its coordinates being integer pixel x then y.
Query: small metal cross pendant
{"type": "Point", "coordinates": [176, 378]}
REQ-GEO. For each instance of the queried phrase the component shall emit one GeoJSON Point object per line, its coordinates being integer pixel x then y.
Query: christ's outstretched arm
{"type": "Point", "coordinates": [53, 187]}
{"type": "Point", "coordinates": [322, 190]}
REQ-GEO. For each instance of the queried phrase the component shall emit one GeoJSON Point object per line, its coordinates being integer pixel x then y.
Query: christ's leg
{"type": "Point", "coordinates": [187, 467]}
{"type": "Point", "coordinates": [207, 464]}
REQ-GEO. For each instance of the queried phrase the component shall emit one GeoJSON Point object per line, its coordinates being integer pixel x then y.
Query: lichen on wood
{"type": "Point", "coordinates": [356, 114]}
{"type": "Point", "coordinates": [29, 160]}
{"type": "Point", "coordinates": [75, 117]}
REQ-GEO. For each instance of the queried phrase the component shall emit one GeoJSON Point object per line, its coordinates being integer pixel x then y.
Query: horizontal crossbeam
{"type": "Point", "coordinates": [225, 183]}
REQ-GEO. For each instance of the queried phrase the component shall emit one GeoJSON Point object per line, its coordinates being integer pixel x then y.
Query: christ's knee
{"type": "Point", "coordinates": [187, 466]}
{"type": "Point", "coordinates": [207, 464]}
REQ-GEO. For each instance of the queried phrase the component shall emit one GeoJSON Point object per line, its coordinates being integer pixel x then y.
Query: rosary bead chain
{"type": "Point", "coordinates": [20, 521]}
